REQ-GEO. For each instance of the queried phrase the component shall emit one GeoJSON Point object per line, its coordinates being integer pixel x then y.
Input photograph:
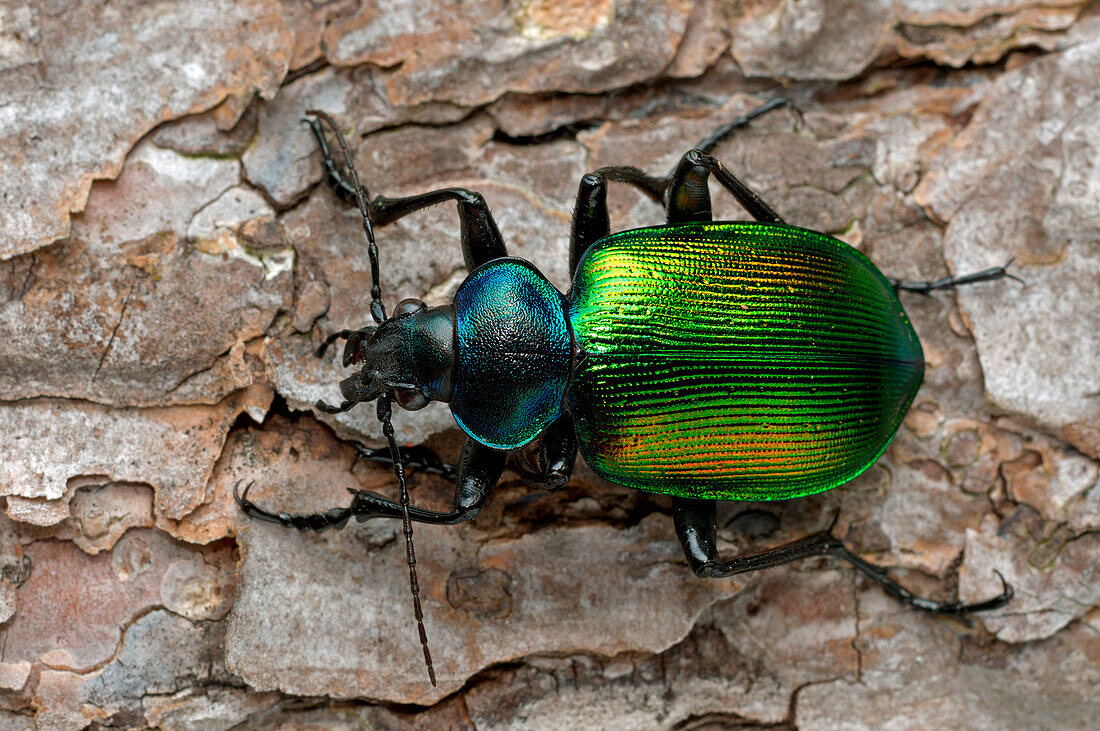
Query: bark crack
{"type": "Point", "coordinates": [114, 331]}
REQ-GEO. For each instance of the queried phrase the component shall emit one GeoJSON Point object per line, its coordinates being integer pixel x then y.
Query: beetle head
{"type": "Point", "coordinates": [411, 355]}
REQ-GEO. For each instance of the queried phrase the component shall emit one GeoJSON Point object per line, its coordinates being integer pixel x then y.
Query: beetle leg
{"type": "Point", "coordinates": [481, 239]}
{"type": "Point", "coordinates": [555, 452]}
{"type": "Point", "coordinates": [478, 473]}
{"type": "Point", "coordinates": [683, 191]}
{"type": "Point", "coordinates": [330, 409]}
{"type": "Point", "coordinates": [334, 176]}
{"type": "Point", "coordinates": [335, 518]}
{"type": "Point", "coordinates": [688, 198]}
{"type": "Point", "coordinates": [479, 470]}
{"type": "Point", "coordinates": [711, 141]}
{"type": "Point", "coordinates": [986, 275]}
{"type": "Point", "coordinates": [338, 335]}
{"type": "Point", "coordinates": [590, 219]}
{"type": "Point", "coordinates": [419, 457]}
{"type": "Point", "coordinates": [696, 526]}
{"type": "Point", "coordinates": [691, 200]}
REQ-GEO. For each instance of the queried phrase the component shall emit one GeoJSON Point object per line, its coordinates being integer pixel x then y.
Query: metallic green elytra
{"type": "Point", "coordinates": [736, 360]}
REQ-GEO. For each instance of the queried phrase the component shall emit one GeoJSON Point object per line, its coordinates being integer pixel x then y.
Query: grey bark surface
{"type": "Point", "coordinates": [170, 259]}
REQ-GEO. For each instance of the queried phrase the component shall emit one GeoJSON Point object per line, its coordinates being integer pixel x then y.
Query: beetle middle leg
{"type": "Point", "coordinates": [697, 527]}
{"type": "Point", "coordinates": [554, 453]}
{"type": "Point", "coordinates": [688, 198]}
{"type": "Point", "coordinates": [479, 470]}
{"type": "Point", "coordinates": [683, 192]}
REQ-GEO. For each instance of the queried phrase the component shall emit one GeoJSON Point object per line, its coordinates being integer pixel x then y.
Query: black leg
{"type": "Point", "coordinates": [696, 525]}
{"type": "Point", "coordinates": [330, 409]}
{"type": "Point", "coordinates": [334, 176]}
{"type": "Point", "coordinates": [708, 143]}
{"type": "Point", "coordinates": [590, 220]}
{"type": "Point", "coordinates": [986, 275]}
{"type": "Point", "coordinates": [683, 192]}
{"type": "Point", "coordinates": [353, 337]}
{"type": "Point", "coordinates": [338, 335]}
{"type": "Point", "coordinates": [688, 198]}
{"type": "Point", "coordinates": [418, 457]}
{"type": "Point", "coordinates": [554, 453]}
{"type": "Point", "coordinates": [479, 471]}
{"type": "Point", "coordinates": [481, 239]}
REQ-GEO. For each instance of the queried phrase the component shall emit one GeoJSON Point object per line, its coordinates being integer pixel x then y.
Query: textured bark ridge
{"type": "Point", "coordinates": [169, 261]}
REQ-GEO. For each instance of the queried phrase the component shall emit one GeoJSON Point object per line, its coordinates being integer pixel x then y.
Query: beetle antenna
{"type": "Point", "coordinates": [378, 312]}
{"type": "Point", "coordinates": [384, 411]}
{"type": "Point", "coordinates": [377, 309]}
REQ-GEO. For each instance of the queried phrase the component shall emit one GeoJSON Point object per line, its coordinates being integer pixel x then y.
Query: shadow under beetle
{"type": "Point", "coordinates": [707, 360]}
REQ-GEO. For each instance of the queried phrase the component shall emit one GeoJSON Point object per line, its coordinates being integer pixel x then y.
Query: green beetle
{"type": "Point", "coordinates": [704, 360]}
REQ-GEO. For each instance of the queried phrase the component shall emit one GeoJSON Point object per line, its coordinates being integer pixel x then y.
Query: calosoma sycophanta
{"type": "Point", "coordinates": [707, 360]}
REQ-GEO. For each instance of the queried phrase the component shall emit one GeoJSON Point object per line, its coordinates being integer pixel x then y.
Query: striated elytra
{"type": "Point", "coordinates": [707, 360]}
{"type": "Point", "coordinates": [736, 361]}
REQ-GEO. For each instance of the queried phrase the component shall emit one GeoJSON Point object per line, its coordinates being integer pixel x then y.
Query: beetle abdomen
{"type": "Point", "coordinates": [513, 352]}
{"type": "Point", "coordinates": [737, 360]}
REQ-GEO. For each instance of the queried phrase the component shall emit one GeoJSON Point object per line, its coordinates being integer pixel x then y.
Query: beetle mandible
{"type": "Point", "coordinates": [707, 360]}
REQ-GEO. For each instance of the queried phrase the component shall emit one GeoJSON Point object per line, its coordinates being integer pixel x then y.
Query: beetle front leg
{"type": "Point", "coordinates": [481, 239]}
{"type": "Point", "coordinates": [418, 458]}
{"type": "Point", "coordinates": [697, 527]}
{"type": "Point", "coordinates": [479, 470]}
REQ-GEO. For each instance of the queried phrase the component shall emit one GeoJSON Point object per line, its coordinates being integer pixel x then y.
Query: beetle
{"type": "Point", "coordinates": [706, 360]}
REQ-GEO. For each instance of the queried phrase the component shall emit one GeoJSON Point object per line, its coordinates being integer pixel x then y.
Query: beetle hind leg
{"type": "Point", "coordinates": [688, 198]}
{"type": "Point", "coordinates": [986, 275]}
{"type": "Point", "coordinates": [712, 140]}
{"type": "Point", "coordinates": [696, 526]}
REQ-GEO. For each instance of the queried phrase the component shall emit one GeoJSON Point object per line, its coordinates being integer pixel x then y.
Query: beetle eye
{"type": "Point", "coordinates": [410, 400]}
{"type": "Point", "coordinates": [408, 307]}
